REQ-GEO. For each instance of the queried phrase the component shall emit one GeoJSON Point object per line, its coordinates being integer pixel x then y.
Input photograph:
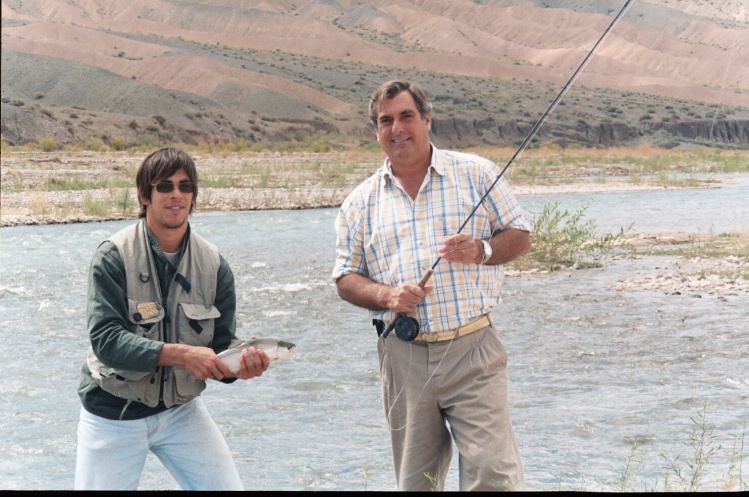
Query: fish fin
{"type": "Point", "coordinates": [235, 343]}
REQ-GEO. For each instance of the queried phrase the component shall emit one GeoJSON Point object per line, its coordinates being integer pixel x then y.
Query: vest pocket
{"type": "Point", "coordinates": [123, 384]}
{"type": "Point", "coordinates": [184, 389]}
{"type": "Point", "coordinates": [144, 316]}
{"type": "Point", "coordinates": [132, 385]}
{"type": "Point", "coordinates": [197, 323]}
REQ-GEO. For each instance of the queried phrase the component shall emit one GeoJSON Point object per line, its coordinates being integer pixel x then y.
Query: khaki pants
{"type": "Point", "coordinates": [458, 386]}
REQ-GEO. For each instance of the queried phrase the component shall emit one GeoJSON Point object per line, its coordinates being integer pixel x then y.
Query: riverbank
{"type": "Point", "coordinates": [62, 188]}
{"type": "Point", "coordinates": [692, 270]}
{"type": "Point", "coordinates": [91, 205]}
{"type": "Point", "coordinates": [84, 186]}
{"type": "Point", "coordinates": [82, 206]}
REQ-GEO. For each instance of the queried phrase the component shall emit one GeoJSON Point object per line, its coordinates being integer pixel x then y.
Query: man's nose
{"type": "Point", "coordinates": [397, 126]}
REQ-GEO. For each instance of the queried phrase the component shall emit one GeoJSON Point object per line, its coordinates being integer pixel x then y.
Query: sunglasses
{"type": "Point", "coordinates": [168, 186]}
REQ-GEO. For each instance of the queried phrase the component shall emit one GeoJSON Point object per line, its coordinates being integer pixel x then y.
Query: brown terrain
{"type": "Point", "coordinates": [100, 76]}
{"type": "Point", "coordinates": [156, 71]}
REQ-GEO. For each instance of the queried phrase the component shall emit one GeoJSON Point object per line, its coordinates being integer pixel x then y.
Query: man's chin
{"type": "Point", "coordinates": [174, 224]}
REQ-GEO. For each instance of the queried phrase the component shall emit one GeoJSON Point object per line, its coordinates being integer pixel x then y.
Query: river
{"type": "Point", "coordinates": [599, 378]}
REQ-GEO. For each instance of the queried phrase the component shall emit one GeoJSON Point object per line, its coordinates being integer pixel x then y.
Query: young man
{"type": "Point", "coordinates": [161, 304]}
{"type": "Point", "coordinates": [390, 231]}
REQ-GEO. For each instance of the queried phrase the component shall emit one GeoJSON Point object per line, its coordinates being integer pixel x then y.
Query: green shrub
{"type": "Point", "coordinates": [562, 239]}
{"type": "Point", "coordinates": [95, 207]}
{"type": "Point", "coordinates": [48, 144]}
{"type": "Point", "coordinates": [117, 143]}
{"type": "Point", "coordinates": [94, 145]}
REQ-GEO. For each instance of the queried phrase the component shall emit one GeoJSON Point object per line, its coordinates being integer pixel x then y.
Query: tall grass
{"type": "Point", "coordinates": [551, 163]}
{"type": "Point", "coordinates": [688, 471]}
{"type": "Point", "coordinates": [311, 164]}
{"type": "Point", "coordinates": [73, 183]}
{"type": "Point", "coordinates": [694, 469]}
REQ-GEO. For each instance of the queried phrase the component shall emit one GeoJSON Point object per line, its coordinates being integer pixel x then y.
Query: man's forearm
{"type": "Point", "coordinates": [508, 245]}
{"type": "Point", "coordinates": [363, 292]}
{"type": "Point", "coordinates": [172, 354]}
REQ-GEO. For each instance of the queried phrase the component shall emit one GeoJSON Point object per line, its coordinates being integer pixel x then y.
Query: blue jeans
{"type": "Point", "coordinates": [111, 454]}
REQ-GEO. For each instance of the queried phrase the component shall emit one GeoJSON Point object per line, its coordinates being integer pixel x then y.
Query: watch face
{"type": "Point", "coordinates": [487, 251]}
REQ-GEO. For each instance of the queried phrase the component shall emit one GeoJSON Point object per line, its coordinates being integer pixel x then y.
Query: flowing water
{"type": "Point", "coordinates": [594, 372]}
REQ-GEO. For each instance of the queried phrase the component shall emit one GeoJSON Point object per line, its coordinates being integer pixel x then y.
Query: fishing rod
{"type": "Point", "coordinates": [410, 327]}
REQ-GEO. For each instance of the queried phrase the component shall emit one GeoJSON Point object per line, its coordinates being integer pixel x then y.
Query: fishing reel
{"type": "Point", "coordinates": [406, 328]}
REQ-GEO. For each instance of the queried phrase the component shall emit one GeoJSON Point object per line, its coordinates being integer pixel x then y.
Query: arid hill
{"type": "Point", "coordinates": [154, 71]}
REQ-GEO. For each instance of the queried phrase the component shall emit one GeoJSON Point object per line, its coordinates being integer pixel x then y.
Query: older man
{"type": "Point", "coordinates": [452, 378]}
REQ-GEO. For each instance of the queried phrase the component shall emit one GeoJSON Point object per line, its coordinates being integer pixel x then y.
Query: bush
{"type": "Point", "coordinates": [48, 144]}
{"type": "Point", "coordinates": [562, 239]}
{"type": "Point", "coordinates": [117, 143]}
{"type": "Point", "coordinates": [94, 144]}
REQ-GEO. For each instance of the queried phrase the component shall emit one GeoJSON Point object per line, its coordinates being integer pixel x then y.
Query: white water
{"type": "Point", "coordinates": [592, 370]}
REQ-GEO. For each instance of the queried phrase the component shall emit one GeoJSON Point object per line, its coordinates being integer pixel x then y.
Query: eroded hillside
{"type": "Point", "coordinates": [154, 71]}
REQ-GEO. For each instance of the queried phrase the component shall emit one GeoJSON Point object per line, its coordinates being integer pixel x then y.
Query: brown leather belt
{"type": "Point", "coordinates": [440, 336]}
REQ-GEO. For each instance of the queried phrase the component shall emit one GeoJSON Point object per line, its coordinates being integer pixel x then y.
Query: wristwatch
{"type": "Point", "coordinates": [487, 251]}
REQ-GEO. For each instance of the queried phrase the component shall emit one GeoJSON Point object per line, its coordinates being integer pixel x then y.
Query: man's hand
{"type": "Point", "coordinates": [200, 362]}
{"type": "Point", "coordinates": [254, 362]}
{"type": "Point", "coordinates": [404, 298]}
{"type": "Point", "coordinates": [461, 248]}
{"type": "Point", "coordinates": [362, 291]}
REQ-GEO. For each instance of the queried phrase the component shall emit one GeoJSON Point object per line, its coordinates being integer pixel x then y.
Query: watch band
{"type": "Point", "coordinates": [487, 251]}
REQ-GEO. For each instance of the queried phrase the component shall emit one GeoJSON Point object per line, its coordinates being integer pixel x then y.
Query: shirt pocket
{"type": "Point", "coordinates": [143, 316]}
{"type": "Point", "coordinates": [197, 323]}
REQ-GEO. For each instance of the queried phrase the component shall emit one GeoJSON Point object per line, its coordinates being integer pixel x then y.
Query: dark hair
{"type": "Point", "coordinates": [390, 90]}
{"type": "Point", "coordinates": [160, 165]}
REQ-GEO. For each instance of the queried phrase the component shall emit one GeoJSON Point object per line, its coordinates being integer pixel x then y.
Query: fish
{"type": "Point", "coordinates": [275, 349]}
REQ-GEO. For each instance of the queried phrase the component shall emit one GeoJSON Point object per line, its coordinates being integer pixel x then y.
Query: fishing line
{"type": "Point", "coordinates": [392, 405]}
{"type": "Point", "coordinates": [410, 329]}
{"type": "Point", "coordinates": [436, 368]}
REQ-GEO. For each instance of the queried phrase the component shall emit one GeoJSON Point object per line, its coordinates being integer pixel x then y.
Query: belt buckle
{"type": "Point", "coordinates": [429, 337]}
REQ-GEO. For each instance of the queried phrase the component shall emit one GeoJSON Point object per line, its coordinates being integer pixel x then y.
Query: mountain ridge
{"type": "Point", "coordinates": [275, 70]}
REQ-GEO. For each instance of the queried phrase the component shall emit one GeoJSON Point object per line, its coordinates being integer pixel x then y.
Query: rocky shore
{"type": "Point", "coordinates": [35, 207]}
{"type": "Point", "coordinates": [694, 277]}
{"type": "Point", "coordinates": [26, 203]}
{"type": "Point", "coordinates": [63, 207]}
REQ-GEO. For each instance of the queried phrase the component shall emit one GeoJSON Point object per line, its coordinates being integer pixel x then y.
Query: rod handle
{"type": "Point", "coordinates": [422, 283]}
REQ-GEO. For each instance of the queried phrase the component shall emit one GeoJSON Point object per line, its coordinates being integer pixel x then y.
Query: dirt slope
{"type": "Point", "coordinates": [212, 49]}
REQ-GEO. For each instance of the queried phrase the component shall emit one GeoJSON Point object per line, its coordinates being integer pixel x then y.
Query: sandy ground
{"type": "Point", "coordinates": [33, 208]}
{"type": "Point", "coordinates": [27, 179]}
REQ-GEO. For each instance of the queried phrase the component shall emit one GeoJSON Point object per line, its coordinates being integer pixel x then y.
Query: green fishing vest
{"type": "Point", "coordinates": [187, 317]}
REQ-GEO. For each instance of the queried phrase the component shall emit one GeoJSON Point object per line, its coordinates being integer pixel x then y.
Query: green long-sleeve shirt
{"type": "Point", "coordinates": [117, 347]}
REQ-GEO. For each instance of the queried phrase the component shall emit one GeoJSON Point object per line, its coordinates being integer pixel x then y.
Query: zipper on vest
{"type": "Point", "coordinates": [166, 327]}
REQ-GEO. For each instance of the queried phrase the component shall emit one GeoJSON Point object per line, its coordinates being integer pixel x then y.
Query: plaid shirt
{"type": "Point", "coordinates": [392, 239]}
